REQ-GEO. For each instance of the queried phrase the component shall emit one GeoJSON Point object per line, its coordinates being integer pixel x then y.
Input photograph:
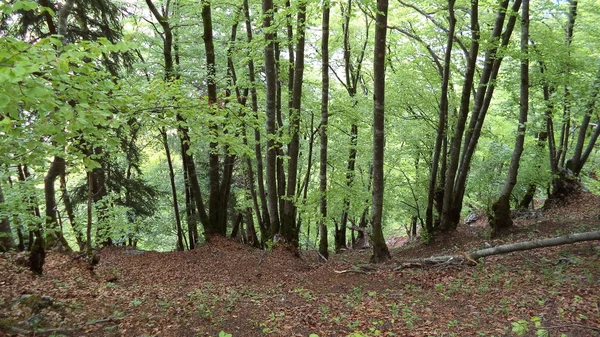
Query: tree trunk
{"type": "Point", "coordinates": [528, 197]}
{"type": "Point", "coordinates": [323, 245]}
{"type": "Point", "coordinates": [71, 214]}
{"type": "Point", "coordinates": [450, 215]}
{"type": "Point", "coordinates": [501, 218]}
{"type": "Point", "coordinates": [264, 220]}
{"type": "Point", "coordinates": [380, 250]}
{"type": "Point", "coordinates": [55, 236]}
{"type": "Point", "coordinates": [6, 238]}
{"type": "Point", "coordinates": [288, 224]}
{"type": "Point", "coordinates": [433, 185]}
{"type": "Point", "coordinates": [353, 74]}
{"type": "Point", "coordinates": [271, 96]}
{"type": "Point", "coordinates": [165, 142]}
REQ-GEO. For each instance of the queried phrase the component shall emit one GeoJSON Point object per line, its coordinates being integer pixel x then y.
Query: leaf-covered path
{"type": "Point", "coordinates": [225, 286]}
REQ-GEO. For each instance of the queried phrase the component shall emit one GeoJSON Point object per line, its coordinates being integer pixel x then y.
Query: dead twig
{"type": "Point", "coordinates": [350, 271]}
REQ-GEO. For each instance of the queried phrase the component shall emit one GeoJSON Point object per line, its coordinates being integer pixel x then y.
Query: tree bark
{"type": "Point", "coordinates": [271, 96]}
{"type": "Point", "coordinates": [380, 250]}
{"type": "Point", "coordinates": [450, 215]}
{"type": "Point", "coordinates": [55, 236]}
{"type": "Point", "coordinates": [353, 73]}
{"type": "Point", "coordinates": [501, 218]}
{"type": "Point", "coordinates": [165, 142]}
{"type": "Point", "coordinates": [6, 238]}
{"type": "Point", "coordinates": [323, 244]}
{"type": "Point", "coordinates": [443, 115]}
{"type": "Point", "coordinates": [288, 224]}
{"type": "Point", "coordinates": [214, 207]}
{"type": "Point", "coordinates": [264, 219]}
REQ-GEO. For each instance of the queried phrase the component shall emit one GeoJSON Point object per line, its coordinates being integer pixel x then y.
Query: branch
{"type": "Point", "coordinates": [503, 249]}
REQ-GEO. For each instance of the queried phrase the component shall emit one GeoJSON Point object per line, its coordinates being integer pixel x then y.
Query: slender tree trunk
{"type": "Point", "coordinates": [54, 235]}
{"type": "Point", "coordinates": [264, 219]}
{"type": "Point", "coordinates": [353, 74]}
{"type": "Point", "coordinates": [6, 238]}
{"type": "Point", "coordinates": [271, 95]}
{"type": "Point", "coordinates": [163, 133]}
{"type": "Point", "coordinates": [483, 100]}
{"type": "Point", "coordinates": [289, 228]}
{"type": "Point", "coordinates": [323, 245]}
{"type": "Point", "coordinates": [578, 159]}
{"type": "Point", "coordinates": [214, 207]}
{"type": "Point", "coordinates": [88, 232]}
{"type": "Point", "coordinates": [380, 250]}
{"type": "Point", "coordinates": [449, 214]}
{"type": "Point", "coordinates": [190, 206]}
{"type": "Point", "coordinates": [501, 208]}
{"type": "Point", "coordinates": [433, 186]}
{"type": "Point", "coordinates": [70, 213]}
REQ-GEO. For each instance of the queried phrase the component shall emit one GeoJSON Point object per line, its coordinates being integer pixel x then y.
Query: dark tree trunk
{"type": "Point", "coordinates": [456, 177]}
{"type": "Point", "coordinates": [528, 197]}
{"type": "Point", "coordinates": [380, 250]}
{"type": "Point", "coordinates": [352, 71]}
{"type": "Point", "coordinates": [264, 220]}
{"type": "Point", "coordinates": [483, 100]}
{"type": "Point", "coordinates": [6, 238]}
{"type": "Point", "coordinates": [54, 236]}
{"type": "Point", "coordinates": [271, 96]}
{"type": "Point", "coordinates": [30, 201]}
{"type": "Point", "coordinates": [71, 214]}
{"type": "Point", "coordinates": [323, 245]}
{"type": "Point", "coordinates": [163, 133]}
{"type": "Point", "coordinates": [288, 224]}
{"type": "Point", "coordinates": [450, 215]}
{"type": "Point", "coordinates": [501, 218]}
{"type": "Point", "coordinates": [441, 132]}
{"type": "Point", "coordinates": [190, 167]}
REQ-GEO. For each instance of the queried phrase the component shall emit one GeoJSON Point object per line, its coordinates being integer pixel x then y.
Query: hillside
{"type": "Point", "coordinates": [226, 286]}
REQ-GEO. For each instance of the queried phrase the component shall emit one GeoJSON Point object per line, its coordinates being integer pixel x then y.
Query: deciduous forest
{"type": "Point", "coordinates": [299, 168]}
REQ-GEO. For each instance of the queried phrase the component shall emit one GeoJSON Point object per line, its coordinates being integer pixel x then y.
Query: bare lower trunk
{"type": "Point", "coordinates": [501, 208]}
{"type": "Point", "coordinates": [163, 133]}
{"type": "Point", "coordinates": [55, 236]}
{"type": "Point", "coordinates": [380, 250]}
{"type": "Point", "coordinates": [6, 239]}
{"type": "Point", "coordinates": [323, 245]}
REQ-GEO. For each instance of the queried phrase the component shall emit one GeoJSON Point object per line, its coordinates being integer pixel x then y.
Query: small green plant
{"type": "Point", "coordinates": [409, 316]}
{"type": "Point", "coordinates": [304, 293]}
{"type": "Point", "coordinates": [395, 310]}
{"type": "Point", "coordinates": [225, 334]}
{"type": "Point", "coordinates": [136, 302]}
{"type": "Point", "coordinates": [521, 327]}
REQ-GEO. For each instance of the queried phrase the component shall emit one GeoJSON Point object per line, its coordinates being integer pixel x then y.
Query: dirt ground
{"type": "Point", "coordinates": [225, 288]}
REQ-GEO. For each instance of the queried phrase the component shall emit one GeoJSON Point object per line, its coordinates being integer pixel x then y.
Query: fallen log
{"type": "Point", "coordinates": [503, 249]}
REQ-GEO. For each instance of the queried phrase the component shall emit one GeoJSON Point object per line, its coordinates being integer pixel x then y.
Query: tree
{"type": "Point", "coordinates": [6, 237]}
{"type": "Point", "coordinates": [501, 218]}
{"type": "Point", "coordinates": [270, 115]}
{"type": "Point", "coordinates": [323, 246]}
{"type": "Point", "coordinates": [380, 250]}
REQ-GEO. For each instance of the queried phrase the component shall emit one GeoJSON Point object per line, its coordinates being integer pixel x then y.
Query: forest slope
{"type": "Point", "coordinates": [225, 286]}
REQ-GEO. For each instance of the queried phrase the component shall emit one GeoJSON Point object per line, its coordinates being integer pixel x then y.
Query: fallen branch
{"type": "Point", "coordinates": [503, 249]}
{"type": "Point", "coordinates": [350, 271]}
{"type": "Point", "coordinates": [571, 326]}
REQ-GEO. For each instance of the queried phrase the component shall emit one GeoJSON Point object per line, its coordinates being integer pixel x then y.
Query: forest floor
{"type": "Point", "coordinates": [228, 289]}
